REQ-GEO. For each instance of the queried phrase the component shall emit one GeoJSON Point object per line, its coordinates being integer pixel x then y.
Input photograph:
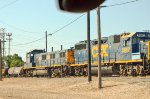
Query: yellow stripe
{"type": "Point", "coordinates": [78, 65]}
{"type": "Point", "coordinates": [35, 67]}
{"type": "Point", "coordinates": [149, 50]}
{"type": "Point", "coordinates": [121, 61]}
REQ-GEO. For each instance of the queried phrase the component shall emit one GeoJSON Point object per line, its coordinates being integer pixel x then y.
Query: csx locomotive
{"type": "Point", "coordinates": [124, 54]}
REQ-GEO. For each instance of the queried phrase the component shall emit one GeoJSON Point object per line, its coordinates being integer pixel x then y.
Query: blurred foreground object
{"type": "Point", "coordinates": [79, 5]}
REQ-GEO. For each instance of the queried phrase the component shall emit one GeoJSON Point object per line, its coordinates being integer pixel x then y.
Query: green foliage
{"type": "Point", "coordinates": [14, 61]}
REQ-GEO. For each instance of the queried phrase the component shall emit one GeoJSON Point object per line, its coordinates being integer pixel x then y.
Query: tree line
{"type": "Point", "coordinates": [13, 60]}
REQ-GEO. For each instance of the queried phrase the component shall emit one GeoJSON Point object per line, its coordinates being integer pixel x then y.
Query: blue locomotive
{"type": "Point", "coordinates": [128, 53]}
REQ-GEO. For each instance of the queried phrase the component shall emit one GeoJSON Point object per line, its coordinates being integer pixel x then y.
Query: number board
{"type": "Point", "coordinates": [141, 35]}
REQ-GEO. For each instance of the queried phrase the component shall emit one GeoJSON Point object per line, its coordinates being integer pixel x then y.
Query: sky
{"type": "Point", "coordinates": [28, 20]}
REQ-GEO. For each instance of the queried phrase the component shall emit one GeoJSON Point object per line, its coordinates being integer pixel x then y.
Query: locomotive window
{"type": "Point", "coordinates": [43, 57]}
{"type": "Point", "coordinates": [52, 56]}
{"type": "Point", "coordinates": [81, 46]}
{"type": "Point", "coordinates": [28, 55]}
{"type": "Point", "coordinates": [134, 40]}
{"type": "Point", "coordinates": [137, 40]}
{"type": "Point", "coordinates": [94, 42]}
{"type": "Point", "coordinates": [126, 42]}
{"type": "Point", "coordinates": [62, 54]}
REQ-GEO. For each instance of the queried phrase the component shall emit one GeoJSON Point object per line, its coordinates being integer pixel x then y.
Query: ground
{"type": "Point", "coordinates": [75, 88]}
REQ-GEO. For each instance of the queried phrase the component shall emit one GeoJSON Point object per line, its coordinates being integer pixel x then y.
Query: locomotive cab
{"type": "Point", "coordinates": [30, 57]}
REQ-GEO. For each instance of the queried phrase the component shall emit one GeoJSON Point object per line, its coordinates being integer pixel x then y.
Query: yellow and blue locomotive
{"type": "Point", "coordinates": [128, 53]}
{"type": "Point", "coordinates": [124, 54]}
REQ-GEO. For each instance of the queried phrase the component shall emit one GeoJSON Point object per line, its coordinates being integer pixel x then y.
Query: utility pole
{"type": "Point", "coordinates": [46, 40]}
{"type": "Point", "coordinates": [2, 37]}
{"type": "Point", "coordinates": [0, 61]}
{"type": "Point", "coordinates": [99, 49]}
{"type": "Point", "coordinates": [9, 39]}
{"type": "Point", "coordinates": [89, 47]}
{"type": "Point", "coordinates": [99, 46]}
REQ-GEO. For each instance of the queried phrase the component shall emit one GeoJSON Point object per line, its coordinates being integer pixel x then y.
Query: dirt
{"type": "Point", "coordinates": [75, 88]}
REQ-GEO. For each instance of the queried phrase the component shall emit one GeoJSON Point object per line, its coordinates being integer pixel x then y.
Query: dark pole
{"type": "Point", "coordinates": [9, 35]}
{"type": "Point", "coordinates": [99, 48]}
{"type": "Point", "coordinates": [46, 40]}
{"type": "Point", "coordinates": [89, 47]}
{"type": "Point", "coordinates": [52, 49]}
{"type": "Point", "coordinates": [61, 47]}
{"type": "Point", "coordinates": [0, 61]}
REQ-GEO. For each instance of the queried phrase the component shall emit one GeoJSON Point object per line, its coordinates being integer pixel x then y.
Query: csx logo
{"type": "Point", "coordinates": [104, 48]}
{"type": "Point", "coordinates": [125, 50]}
{"type": "Point", "coordinates": [94, 51]}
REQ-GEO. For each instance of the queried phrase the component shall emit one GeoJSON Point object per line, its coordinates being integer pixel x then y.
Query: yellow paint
{"type": "Point", "coordinates": [35, 67]}
{"type": "Point", "coordinates": [70, 57]}
{"type": "Point", "coordinates": [104, 48]}
{"type": "Point", "coordinates": [56, 65]}
{"type": "Point", "coordinates": [3, 71]}
{"type": "Point", "coordinates": [125, 49]}
{"type": "Point", "coordinates": [126, 35]}
{"type": "Point", "coordinates": [94, 51]}
{"type": "Point", "coordinates": [120, 61]}
{"type": "Point", "coordinates": [127, 61]}
{"type": "Point", "coordinates": [78, 65]}
{"type": "Point", "coordinates": [149, 50]}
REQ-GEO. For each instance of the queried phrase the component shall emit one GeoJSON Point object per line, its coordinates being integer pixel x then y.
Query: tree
{"type": "Point", "coordinates": [14, 61]}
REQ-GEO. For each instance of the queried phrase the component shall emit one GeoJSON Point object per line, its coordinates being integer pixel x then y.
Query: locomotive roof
{"type": "Point", "coordinates": [36, 50]}
{"type": "Point", "coordinates": [64, 50]}
{"type": "Point", "coordinates": [131, 34]}
{"type": "Point", "coordinates": [127, 35]}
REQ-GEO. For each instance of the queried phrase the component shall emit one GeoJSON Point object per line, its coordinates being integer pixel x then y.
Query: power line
{"type": "Point", "coordinates": [53, 32]}
{"type": "Point", "coordinates": [118, 4]}
{"type": "Point", "coordinates": [72, 22]}
{"type": "Point", "coordinates": [29, 42]}
{"type": "Point", "coordinates": [67, 25]}
{"type": "Point", "coordinates": [8, 4]}
{"type": "Point", "coordinates": [18, 28]}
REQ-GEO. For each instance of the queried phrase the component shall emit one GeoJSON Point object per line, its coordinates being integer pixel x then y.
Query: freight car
{"type": "Point", "coordinates": [124, 54]}
{"type": "Point", "coordinates": [15, 71]}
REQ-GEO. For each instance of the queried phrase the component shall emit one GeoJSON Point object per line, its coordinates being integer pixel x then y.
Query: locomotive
{"type": "Point", "coordinates": [123, 54]}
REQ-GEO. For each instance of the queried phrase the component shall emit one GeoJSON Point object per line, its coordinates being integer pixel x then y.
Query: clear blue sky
{"type": "Point", "coordinates": [37, 16]}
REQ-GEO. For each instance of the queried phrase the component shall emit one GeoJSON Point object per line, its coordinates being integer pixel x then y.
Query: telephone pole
{"type": "Point", "coordinates": [89, 47]}
{"type": "Point", "coordinates": [46, 40]}
{"type": "Point", "coordinates": [2, 37]}
{"type": "Point", "coordinates": [99, 49]}
{"type": "Point", "coordinates": [0, 61]}
{"type": "Point", "coordinates": [9, 39]}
